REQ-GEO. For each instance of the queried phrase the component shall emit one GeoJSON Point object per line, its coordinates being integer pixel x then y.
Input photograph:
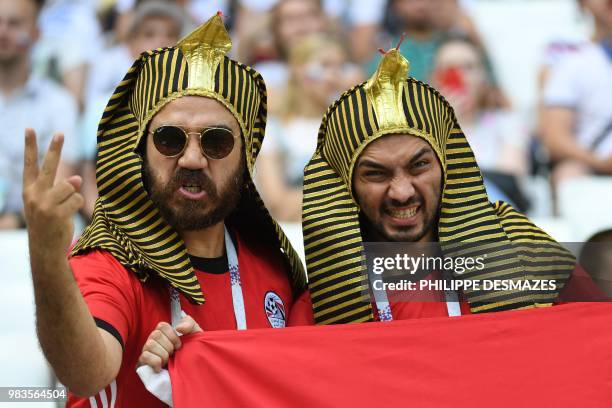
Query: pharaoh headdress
{"type": "Point", "coordinates": [392, 103]}
{"type": "Point", "coordinates": [125, 222]}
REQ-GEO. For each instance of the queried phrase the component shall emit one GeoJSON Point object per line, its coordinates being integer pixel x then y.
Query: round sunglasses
{"type": "Point", "coordinates": [215, 143]}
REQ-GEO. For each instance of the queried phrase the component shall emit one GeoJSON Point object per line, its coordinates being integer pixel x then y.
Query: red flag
{"type": "Point", "coordinates": [554, 357]}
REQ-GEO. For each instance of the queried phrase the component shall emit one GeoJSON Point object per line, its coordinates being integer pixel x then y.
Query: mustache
{"type": "Point", "coordinates": [184, 177]}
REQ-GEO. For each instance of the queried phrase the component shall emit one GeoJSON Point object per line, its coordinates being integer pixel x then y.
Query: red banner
{"type": "Point", "coordinates": [552, 357]}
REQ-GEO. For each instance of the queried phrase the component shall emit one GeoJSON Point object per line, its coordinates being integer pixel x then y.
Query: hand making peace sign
{"type": "Point", "coordinates": [49, 206]}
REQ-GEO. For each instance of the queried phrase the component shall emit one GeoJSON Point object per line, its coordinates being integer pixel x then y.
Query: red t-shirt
{"type": "Point", "coordinates": [130, 310]}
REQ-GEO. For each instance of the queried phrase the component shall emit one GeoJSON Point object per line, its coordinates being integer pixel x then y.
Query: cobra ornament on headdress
{"type": "Point", "coordinates": [126, 222]}
{"type": "Point", "coordinates": [390, 102]}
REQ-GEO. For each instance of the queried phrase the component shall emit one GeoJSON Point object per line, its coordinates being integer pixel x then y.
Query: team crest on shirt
{"type": "Point", "coordinates": [275, 310]}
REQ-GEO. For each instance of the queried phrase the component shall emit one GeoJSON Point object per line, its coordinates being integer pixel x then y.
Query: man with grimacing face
{"type": "Point", "coordinates": [398, 182]}
{"type": "Point", "coordinates": [179, 240]}
{"type": "Point", "coordinates": [393, 165]}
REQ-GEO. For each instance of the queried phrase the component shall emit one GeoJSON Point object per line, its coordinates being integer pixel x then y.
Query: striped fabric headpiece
{"type": "Point", "coordinates": [126, 222]}
{"type": "Point", "coordinates": [392, 103]}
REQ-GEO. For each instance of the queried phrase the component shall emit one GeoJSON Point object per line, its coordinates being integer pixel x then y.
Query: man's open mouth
{"type": "Point", "coordinates": [192, 188]}
{"type": "Point", "coordinates": [402, 213]}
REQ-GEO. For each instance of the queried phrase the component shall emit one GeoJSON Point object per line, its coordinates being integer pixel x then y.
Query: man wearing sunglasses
{"type": "Point", "coordinates": [178, 229]}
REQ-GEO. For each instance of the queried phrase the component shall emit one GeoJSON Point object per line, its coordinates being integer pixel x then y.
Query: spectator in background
{"type": "Point", "coordinates": [576, 125]}
{"type": "Point", "coordinates": [70, 40]}
{"type": "Point", "coordinates": [554, 52]}
{"type": "Point", "coordinates": [426, 25]}
{"type": "Point", "coordinates": [27, 100]}
{"type": "Point", "coordinates": [290, 21]}
{"type": "Point", "coordinates": [359, 19]}
{"type": "Point", "coordinates": [196, 12]}
{"type": "Point", "coordinates": [497, 138]}
{"type": "Point", "coordinates": [451, 16]}
{"type": "Point", "coordinates": [596, 258]}
{"type": "Point", "coordinates": [415, 18]}
{"type": "Point", "coordinates": [317, 66]}
{"type": "Point", "coordinates": [154, 24]}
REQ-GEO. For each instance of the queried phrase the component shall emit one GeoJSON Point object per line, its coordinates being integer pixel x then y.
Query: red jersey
{"type": "Point", "coordinates": [130, 310]}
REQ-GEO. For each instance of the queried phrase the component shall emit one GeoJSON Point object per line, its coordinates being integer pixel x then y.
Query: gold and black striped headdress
{"type": "Point", "coordinates": [125, 222]}
{"type": "Point", "coordinates": [392, 103]}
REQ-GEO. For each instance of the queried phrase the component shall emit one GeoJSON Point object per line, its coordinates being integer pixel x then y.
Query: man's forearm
{"type": "Point", "coordinates": [66, 330]}
{"type": "Point", "coordinates": [83, 357]}
{"type": "Point", "coordinates": [557, 133]}
{"type": "Point", "coordinates": [565, 148]}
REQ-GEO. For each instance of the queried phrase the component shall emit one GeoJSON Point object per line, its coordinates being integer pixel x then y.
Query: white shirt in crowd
{"type": "Point", "coordinates": [47, 108]}
{"type": "Point", "coordinates": [494, 134]}
{"type": "Point", "coordinates": [582, 82]}
{"type": "Point", "coordinates": [103, 79]}
{"type": "Point", "coordinates": [295, 141]}
{"type": "Point", "coordinates": [70, 35]}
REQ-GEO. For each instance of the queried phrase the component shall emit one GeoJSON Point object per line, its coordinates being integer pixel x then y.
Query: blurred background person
{"type": "Point", "coordinates": [153, 24]}
{"type": "Point", "coordinates": [576, 122]}
{"type": "Point", "coordinates": [596, 258]}
{"type": "Point", "coordinates": [414, 18]}
{"type": "Point", "coordinates": [358, 20]}
{"type": "Point", "coordinates": [364, 19]}
{"type": "Point", "coordinates": [27, 100]}
{"type": "Point", "coordinates": [426, 24]}
{"type": "Point", "coordinates": [553, 53]}
{"type": "Point", "coordinates": [453, 16]}
{"type": "Point", "coordinates": [496, 135]}
{"type": "Point", "coordinates": [70, 40]}
{"type": "Point", "coordinates": [196, 12]}
{"type": "Point", "coordinates": [289, 22]}
{"type": "Point", "coordinates": [319, 67]}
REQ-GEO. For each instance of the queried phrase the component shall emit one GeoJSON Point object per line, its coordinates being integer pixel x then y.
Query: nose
{"type": "Point", "coordinates": [192, 158]}
{"type": "Point", "coordinates": [401, 189]}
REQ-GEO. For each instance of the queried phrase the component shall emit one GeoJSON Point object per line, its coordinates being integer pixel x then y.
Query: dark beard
{"type": "Point", "coordinates": [190, 215]}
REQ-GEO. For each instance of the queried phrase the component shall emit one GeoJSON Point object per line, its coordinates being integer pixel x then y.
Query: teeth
{"type": "Point", "coordinates": [192, 189]}
{"type": "Point", "coordinates": [404, 213]}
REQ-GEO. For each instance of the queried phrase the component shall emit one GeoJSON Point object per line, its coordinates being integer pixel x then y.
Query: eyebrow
{"type": "Point", "coordinates": [374, 165]}
{"type": "Point", "coordinates": [217, 126]}
{"type": "Point", "coordinates": [220, 127]}
{"type": "Point", "coordinates": [424, 150]}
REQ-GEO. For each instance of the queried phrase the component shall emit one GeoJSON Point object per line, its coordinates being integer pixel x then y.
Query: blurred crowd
{"type": "Point", "coordinates": [60, 61]}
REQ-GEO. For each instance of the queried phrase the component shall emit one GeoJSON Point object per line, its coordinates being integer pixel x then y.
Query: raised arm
{"type": "Point", "coordinates": [84, 358]}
